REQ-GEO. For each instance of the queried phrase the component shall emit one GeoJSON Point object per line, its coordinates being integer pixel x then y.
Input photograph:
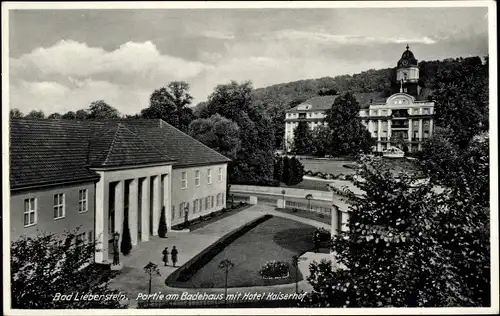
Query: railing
{"type": "Point", "coordinates": [278, 192]}
{"type": "Point", "coordinates": [310, 207]}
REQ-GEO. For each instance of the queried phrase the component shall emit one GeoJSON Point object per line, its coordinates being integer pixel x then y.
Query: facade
{"type": "Point", "coordinates": [404, 119]}
{"type": "Point", "coordinates": [94, 176]}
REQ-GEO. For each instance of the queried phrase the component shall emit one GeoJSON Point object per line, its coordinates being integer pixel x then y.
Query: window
{"type": "Point", "coordinates": [209, 176]}
{"type": "Point", "coordinates": [195, 206]}
{"type": "Point", "coordinates": [173, 212]}
{"type": "Point", "coordinates": [58, 205]}
{"type": "Point", "coordinates": [222, 198]}
{"type": "Point", "coordinates": [90, 237]}
{"type": "Point", "coordinates": [80, 238]}
{"type": "Point", "coordinates": [207, 203]}
{"type": "Point", "coordinates": [218, 199]}
{"type": "Point", "coordinates": [212, 201]}
{"type": "Point", "coordinates": [182, 208]}
{"type": "Point", "coordinates": [29, 212]}
{"type": "Point", "coordinates": [183, 180]}
{"type": "Point", "coordinates": [220, 174]}
{"type": "Point", "coordinates": [82, 201]}
{"type": "Point", "coordinates": [197, 178]}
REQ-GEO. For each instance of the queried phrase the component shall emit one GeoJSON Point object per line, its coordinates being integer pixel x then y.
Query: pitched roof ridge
{"type": "Point", "coordinates": [112, 143]}
{"type": "Point", "coordinates": [144, 141]}
{"type": "Point", "coordinates": [162, 121]}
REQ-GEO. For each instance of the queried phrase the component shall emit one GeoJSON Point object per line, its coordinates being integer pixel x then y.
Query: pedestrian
{"type": "Point", "coordinates": [165, 256]}
{"type": "Point", "coordinates": [174, 255]}
{"type": "Point", "coordinates": [316, 242]}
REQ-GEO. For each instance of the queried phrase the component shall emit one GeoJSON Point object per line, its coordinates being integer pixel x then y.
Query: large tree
{"type": "Point", "coordinates": [54, 116]}
{"type": "Point", "coordinates": [81, 115]}
{"type": "Point", "coordinates": [100, 110]}
{"type": "Point", "coordinates": [47, 265]}
{"type": "Point", "coordinates": [348, 135]}
{"type": "Point", "coordinates": [35, 115]}
{"type": "Point", "coordinates": [171, 104]}
{"type": "Point", "coordinates": [321, 140]}
{"type": "Point", "coordinates": [462, 98]}
{"type": "Point", "coordinates": [408, 244]}
{"type": "Point", "coordinates": [218, 133]}
{"type": "Point", "coordinates": [70, 115]}
{"type": "Point", "coordinates": [15, 113]}
{"type": "Point", "coordinates": [303, 139]}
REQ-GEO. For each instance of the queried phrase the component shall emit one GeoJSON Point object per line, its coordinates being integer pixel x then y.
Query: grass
{"type": "Point", "coordinates": [275, 239]}
{"type": "Point", "coordinates": [308, 184]}
{"type": "Point", "coordinates": [307, 214]}
{"type": "Point", "coordinates": [330, 166]}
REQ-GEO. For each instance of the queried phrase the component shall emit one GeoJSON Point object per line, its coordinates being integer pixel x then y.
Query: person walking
{"type": "Point", "coordinates": [316, 242]}
{"type": "Point", "coordinates": [174, 253]}
{"type": "Point", "coordinates": [165, 256]}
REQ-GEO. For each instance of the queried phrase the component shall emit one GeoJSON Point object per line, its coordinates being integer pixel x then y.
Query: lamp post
{"type": "Point", "coordinates": [116, 254]}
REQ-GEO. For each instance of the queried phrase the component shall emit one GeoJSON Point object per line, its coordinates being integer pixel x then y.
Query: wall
{"type": "Point", "coordinates": [45, 221]}
{"type": "Point", "coordinates": [192, 192]}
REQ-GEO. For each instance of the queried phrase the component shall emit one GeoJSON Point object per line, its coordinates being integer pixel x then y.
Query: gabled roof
{"type": "Point", "coordinates": [44, 152]}
{"type": "Point", "coordinates": [322, 103]}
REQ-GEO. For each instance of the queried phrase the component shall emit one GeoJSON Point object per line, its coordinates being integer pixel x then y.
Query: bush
{"type": "Point", "coordinates": [162, 227]}
{"type": "Point", "coordinates": [324, 235]}
{"type": "Point", "coordinates": [274, 270]}
{"type": "Point", "coordinates": [126, 244]}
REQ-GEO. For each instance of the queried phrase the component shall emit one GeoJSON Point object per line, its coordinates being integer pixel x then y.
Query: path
{"type": "Point", "coordinates": [133, 280]}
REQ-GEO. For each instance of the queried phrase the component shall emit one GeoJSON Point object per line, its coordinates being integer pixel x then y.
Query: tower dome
{"type": "Point", "coordinates": [407, 59]}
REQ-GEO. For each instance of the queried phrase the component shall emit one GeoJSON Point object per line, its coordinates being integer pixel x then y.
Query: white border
{"type": "Point", "coordinates": [491, 5]}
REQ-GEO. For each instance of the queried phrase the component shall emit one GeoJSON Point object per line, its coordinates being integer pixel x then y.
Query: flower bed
{"type": "Point", "coordinates": [275, 270]}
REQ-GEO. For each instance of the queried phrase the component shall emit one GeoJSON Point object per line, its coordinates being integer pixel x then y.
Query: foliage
{"type": "Point", "coordinates": [407, 245]}
{"type": "Point", "coordinates": [218, 133]}
{"type": "Point", "coordinates": [16, 113]}
{"type": "Point", "coordinates": [321, 140]}
{"type": "Point", "coordinates": [348, 135]}
{"type": "Point", "coordinates": [295, 172]}
{"type": "Point", "coordinates": [274, 269]}
{"type": "Point", "coordinates": [171, 104]}
{"type": "Point", "coordinates": [302, 139]}
{"type": "Point", "coordinates": [226, 265]}
{"type": "Point", "coordinates": [324, 235]}
{"type": "Point", "coordinates": [151, 269]}
{"type": "Point", "coordinates": [47, 264]}
{"type": "Point", "coordinates": [81, 115]}
{"type": "Point", "coordinates": [54, 116]}
{"type": "Point", "coordinates": [126, 241]}
{"type": "Point", "coordinates": [35, 115]}
{"type": "Point", "coordinates": [70, 115]}
{"type": "Point", "coordinates": [100, 110]}
{"type": "Point", "coordinates": [162, 226]}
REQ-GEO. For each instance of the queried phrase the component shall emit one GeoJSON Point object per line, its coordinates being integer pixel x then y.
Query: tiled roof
{"type": "Point", "coordinates": [54, 151]}
{"type": "Point", "coordinates": [322, 103]}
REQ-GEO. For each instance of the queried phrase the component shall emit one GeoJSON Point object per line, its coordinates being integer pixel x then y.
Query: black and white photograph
{"type": "Point", "coordinates": [249, 158]}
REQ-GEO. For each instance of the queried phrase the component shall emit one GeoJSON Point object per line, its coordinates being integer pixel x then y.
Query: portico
{"type": "Point", "coordinates": [133, 193]}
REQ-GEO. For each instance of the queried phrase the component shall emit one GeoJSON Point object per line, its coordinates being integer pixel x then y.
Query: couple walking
{"type": "Point", "coordinates": [173, 253]}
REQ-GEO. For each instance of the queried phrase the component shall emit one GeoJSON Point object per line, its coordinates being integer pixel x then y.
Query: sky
{"type": "Point", "coordinates": [61, 60]}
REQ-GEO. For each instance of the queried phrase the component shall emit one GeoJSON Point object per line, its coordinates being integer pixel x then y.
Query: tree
{"type": "Point", "coordinates": [285, 173]}
{"type": "Point", "coordinates": [326, 91]}
{"type": "Point", "coordinates": [48, 265]}
{"type": "Point", "coordinates": [151, 270]}
{"type": "Point", "coordinates": [171, 105]}
{"type": "Point", "coordinates": [321, 140]}
{"type": "Point", "coordinates": [81, 115]}
{"type": "Point", "coordinates": [35, 115]}
{"type": "Point", "coordinates": [100, 110]}
{"type": "Point", "coordinates": [226, 265]}
{"type": "Point", "coordinates": [70, 115]}
{"type": "Point", "coordinates": [162, 227]}
{"type": "Point", "coordinates": [407, 246]}
{"type": "Point", "coordinates": [54, 116]}
{"type": "Point", "coordinates": [348, 135]}
{"type": "Point", "coordinates": [400, 142]}
{"type": "Point", "coordinates": [16, 113]}
{"type": "Point", "coordinates": [126, 242]}
{"type": "Point", "coordinates": [218, 133]}
{"type": "Point", "coordinates": [296, 171]}
{"type": "Point", "coordinates": [278, 168]}
{"type": "Point", "coordinates": [302, 139]}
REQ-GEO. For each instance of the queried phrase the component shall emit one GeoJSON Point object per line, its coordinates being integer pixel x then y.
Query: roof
{"type": "Point", "coordinates": [322, 103]}
{"type": "Point", "coordinates": [44, 152]}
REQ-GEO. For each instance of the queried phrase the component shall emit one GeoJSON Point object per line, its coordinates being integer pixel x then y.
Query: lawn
{"type": "Point", "coordinates": [275, 239]}
{"type": "Point", "coordinates": [323, 218]}
{"type": "Point", "coordinates": [330, 166]}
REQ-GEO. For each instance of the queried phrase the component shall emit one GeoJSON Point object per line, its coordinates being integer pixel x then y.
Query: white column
{"type": "Point", "coordinates": [133, 210]}
{"type": "Point", "coordinates": [420, 129]}
{"type": "Point", "coordinates": [156, 203]}
{"type": "Point", "coordinates": [389, 131]}
{"type": "Point", "coordinates": [335, 220]}
{"type": "Point", "coordinates": [431, 127]}
{"type": "Point", "coordinates": [410, 129]}
{"type": "Point", "coordinates": [166, 200]}
{"type": "Point", "coordinates": [119, 209]}
{"type": "Point", "coordinates": [379, 130]}
{"type": "Point", "coordinates": [345, 221]}
{"type": "Point", "coordinates": [101, 220]}
{"type": "Point", "coordinates": [145, 210]}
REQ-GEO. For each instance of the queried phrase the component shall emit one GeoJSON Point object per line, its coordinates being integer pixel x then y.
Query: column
{"type": "Point", "coordinates": [379, 135]}
{"type": "Point", "coordinates": [101, 220]}
{"type": "Point", "coordinates": [431, 127]}
{"type": "Point", "coordinates": [420, 129]}
{"type": "Point", "coordinates": [345, 221]}
{"type": "Point", "coordinates": [335, 220]}
{"type": "Point", "coordinates": [156, 203]}
{"type": "Point", "coordinates": [133, 209]}
{"type": "Point", "coordinates": [389, 131]}
{"type": "Point", "coordinates": [410, 129]}
{"type": "Point", "coordinates": [166, 200]}
{"type": "Point", "coordinates": [119, 209]}
{"type": "Point", "coordinates": [145, 210]}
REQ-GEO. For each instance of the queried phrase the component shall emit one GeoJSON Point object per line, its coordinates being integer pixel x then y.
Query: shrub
{"type": "Point", "coordinates": [126, 244]}
{"type": "Point", "coordinates": [162, 227]}
{"type": "Point", "coordinates": [274, 270]}
{"type": "Point", "coordinates": [324, 235]}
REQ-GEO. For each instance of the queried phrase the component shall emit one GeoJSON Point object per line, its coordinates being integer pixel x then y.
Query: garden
{"type": "Point", "coordinates": [261, 256]}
